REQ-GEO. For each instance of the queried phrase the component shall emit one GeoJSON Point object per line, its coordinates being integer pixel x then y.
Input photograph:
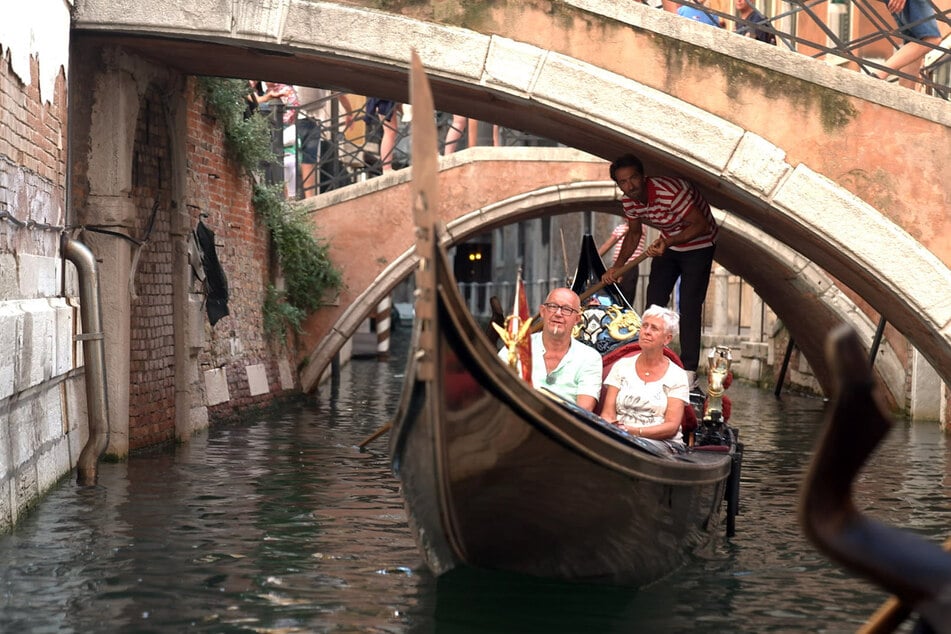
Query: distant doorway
{"type": "Point", "coordinates": [473, 270]}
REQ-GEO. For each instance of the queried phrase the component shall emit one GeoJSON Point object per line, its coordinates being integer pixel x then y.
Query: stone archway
{"type": "Point", "coordinates": [804, 294]}
{"type": "Point", "coordinates": [635, 95]}
{"type": "Point", "coordinates": [128, 132]}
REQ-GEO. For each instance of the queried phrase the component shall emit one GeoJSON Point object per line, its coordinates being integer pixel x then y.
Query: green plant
{"type": "Point", "coordinates": [309, 275]}
{"type": "Point", "coordinates": [248, 138]}
{"type": "Point", "coordinates": [278, 314]}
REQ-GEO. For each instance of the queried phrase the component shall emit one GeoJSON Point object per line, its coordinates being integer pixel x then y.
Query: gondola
{"type": "Point", "coordinates": [498, 475]}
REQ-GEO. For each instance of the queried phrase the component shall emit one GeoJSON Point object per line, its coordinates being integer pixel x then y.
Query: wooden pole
{"type": "Point", "coordinates": [379, 432]}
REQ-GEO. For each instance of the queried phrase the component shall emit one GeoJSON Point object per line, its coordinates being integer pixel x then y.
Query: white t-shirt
{"type": "Point", "coordinates": [641, 403]}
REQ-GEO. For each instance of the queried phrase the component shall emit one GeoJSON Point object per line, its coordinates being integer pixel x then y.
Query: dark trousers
{"type": "Point", "coordinates": [693, 269]}
{"type": "Point", "coordinates": [319, 157]}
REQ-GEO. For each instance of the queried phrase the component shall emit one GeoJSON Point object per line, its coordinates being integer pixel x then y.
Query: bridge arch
{"type": "Point", "coordinates": [847, 213]}
{"type": "Point", "coordinates": [800, 292]}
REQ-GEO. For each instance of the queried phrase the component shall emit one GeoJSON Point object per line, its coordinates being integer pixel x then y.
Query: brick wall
{"type": "Point", "coordinates": [32, 161]}
{"type": "Point", "coordinates": [218, 193]}
{"type": "Point", "coordinates": [217, 188]}
{"type": "Point", "coordinates": [152, 343]}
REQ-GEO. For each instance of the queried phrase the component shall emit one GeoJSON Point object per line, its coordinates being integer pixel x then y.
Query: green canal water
{"type": "Point", "coordinates": [282, 525]}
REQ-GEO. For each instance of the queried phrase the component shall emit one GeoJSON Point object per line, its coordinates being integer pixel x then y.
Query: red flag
{"type": "Point", "coordinates": [521, 315]}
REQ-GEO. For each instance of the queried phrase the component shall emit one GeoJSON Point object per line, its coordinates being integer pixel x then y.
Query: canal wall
{"type": "Point", "coordinates": [128, 169]}
{"type": "Point", "coordinates": [42, 404]}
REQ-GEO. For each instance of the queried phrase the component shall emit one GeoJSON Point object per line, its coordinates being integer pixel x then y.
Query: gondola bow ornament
{"type": "Point", "coordinates": [915, 570]}
{"type": "Point", "coordinates": [516, 333]}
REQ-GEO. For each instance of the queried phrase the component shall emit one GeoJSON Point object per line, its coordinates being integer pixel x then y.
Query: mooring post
{"type": "Point", "coordinates": [382, 325]}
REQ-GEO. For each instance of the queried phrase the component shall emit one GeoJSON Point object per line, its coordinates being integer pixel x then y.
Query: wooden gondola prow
{"type": "Point", "coordinates": [915, 570]}
{"type": "Point", "coordinates": [713, 428]}
{"type": "Point", "coordinates": [425, 192]}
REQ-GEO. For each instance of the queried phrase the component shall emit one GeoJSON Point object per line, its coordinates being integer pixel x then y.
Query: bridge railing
{"type": "Point", "coordinates": [478, 294]}
{"type": "Point", "coordinates": [852, 32]}
{"type": "Point", "coordinates": [354, 152]}
{"type": "Point", "coordinates": [352, 146]}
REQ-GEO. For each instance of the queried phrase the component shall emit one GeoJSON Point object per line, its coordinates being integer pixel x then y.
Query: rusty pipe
{"type": "Point", "coordinates": [94, 359]}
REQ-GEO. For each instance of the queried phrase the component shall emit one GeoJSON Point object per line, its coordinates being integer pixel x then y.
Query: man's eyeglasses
{"type": "Point", "coordinates": [558, 308]}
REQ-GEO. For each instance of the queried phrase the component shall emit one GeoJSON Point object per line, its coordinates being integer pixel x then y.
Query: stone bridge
{"type": "Point", "coordinates": [847, 171]}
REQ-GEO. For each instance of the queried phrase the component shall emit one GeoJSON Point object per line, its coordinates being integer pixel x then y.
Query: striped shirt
{"type": "Point", "coordinates": [619, 232]}
{"type": "Point", "coordinates": [668, 202]}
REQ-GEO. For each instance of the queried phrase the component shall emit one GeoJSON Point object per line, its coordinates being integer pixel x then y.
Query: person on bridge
{"type": "Point", "coordinates": [752, 18]}
{"type": "Point", "coordinates": [561, 363]}
{"type": "Point", "coordinates": [320, 136]}
{"type": "Point", "coordinates": [698, 12]}
{"type": "Point", "coordinates": [916, 24]}
{"type": "Point", "coordinates": [684, 250]}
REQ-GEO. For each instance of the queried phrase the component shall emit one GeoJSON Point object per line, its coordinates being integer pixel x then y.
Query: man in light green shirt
{"type": "Point", "coordinates": [560, 363]}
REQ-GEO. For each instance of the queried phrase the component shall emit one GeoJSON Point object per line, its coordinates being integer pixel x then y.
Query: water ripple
{"type": "Point", "coordinates": [283, 525]}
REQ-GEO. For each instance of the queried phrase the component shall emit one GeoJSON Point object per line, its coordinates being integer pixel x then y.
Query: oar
{"type": "Point", "coordinates": [891, 614]}
{"type": "Point", "coordinates": [497, 317]}
{"type": "Point", "coordinates": [594, 288]}
{"type": "Point", "coordinates": [912, 568]}
{"type": "Point", "coordinates": [564, 257]}
{"type": "Point", "coordinates": [382, 430]}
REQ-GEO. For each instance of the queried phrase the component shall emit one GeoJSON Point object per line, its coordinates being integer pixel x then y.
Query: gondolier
{"type": "Point", "coordinates": [684, 249]}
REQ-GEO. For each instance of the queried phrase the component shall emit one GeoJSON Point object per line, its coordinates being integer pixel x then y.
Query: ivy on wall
{"type": "Point", "coordinates": [309, 275]}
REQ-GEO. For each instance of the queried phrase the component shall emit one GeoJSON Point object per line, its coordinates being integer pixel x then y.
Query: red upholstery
{"type": "Point", "coordinates": [689, 422]}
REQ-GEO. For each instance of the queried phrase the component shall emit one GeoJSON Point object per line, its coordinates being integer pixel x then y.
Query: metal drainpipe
{"type": "Point", "coordinates": [94, 357]}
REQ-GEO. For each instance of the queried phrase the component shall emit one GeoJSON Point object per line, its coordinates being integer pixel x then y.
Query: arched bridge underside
{"type": "Point", "coordinates": [850, 172]}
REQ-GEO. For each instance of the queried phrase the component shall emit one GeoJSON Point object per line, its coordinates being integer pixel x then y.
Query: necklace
{"type": "Point", "coordinates": [643, 368]}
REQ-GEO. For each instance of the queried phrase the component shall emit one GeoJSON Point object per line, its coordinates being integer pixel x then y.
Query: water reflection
{"type": "Point", "coordinates": [283, 525]}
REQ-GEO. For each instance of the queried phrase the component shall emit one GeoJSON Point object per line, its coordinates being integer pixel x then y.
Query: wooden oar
{"type": "Point", "coordinates": [891, 614]}
{"type": "Point", "coordinates": [594, 288]}
{"type": "Point", "coordinates": [382, 430]}
{"type": "Point", "coordinates": [915, 570]}
{"type": "Point", "coordinates": [497, 317]}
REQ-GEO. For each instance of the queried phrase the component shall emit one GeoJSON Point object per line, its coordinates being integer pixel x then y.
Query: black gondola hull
{"type": "Point", "coordinates": [498, 475]}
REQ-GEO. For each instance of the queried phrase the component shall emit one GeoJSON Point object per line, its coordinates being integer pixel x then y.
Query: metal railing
{"type": "Point", "coordinates": [349, 153]}
{"type": "Point", "coordinates": [478, 294]}
{"type": "Point", "coordinates": [802, 14]}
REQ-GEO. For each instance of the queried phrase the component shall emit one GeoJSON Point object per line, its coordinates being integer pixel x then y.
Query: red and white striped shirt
{"type": "Point", "coordinates": [668, 202]}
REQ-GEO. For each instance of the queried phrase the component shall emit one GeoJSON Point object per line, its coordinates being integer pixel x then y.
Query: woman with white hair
{"type": "Point", "coordinates": [646, 393]}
